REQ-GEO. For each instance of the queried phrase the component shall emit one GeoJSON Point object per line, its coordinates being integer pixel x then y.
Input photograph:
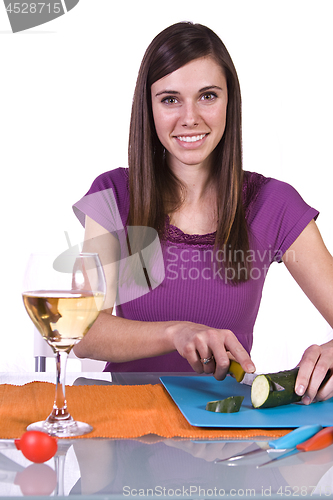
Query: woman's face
{"type": "Point", "coordinates": [189, 110]}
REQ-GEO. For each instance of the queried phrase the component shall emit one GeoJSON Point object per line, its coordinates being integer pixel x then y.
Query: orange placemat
{"type": "Point", "coordinates": [128, 411]}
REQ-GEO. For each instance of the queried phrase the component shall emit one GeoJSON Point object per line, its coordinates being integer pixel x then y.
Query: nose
{"type": "Point", "coordinates": [190, 116]}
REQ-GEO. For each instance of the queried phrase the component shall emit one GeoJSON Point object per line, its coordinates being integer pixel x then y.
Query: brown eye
{"type": "Point", "coordinates": [209, 97]}
{"type": "Point", "coordinates": [169, 100]}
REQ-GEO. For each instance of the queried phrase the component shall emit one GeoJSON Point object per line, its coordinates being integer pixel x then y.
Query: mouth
{"type": "Point", "coordinates": [190, 138]}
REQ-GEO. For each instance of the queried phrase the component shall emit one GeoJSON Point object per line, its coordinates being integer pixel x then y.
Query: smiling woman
{"type": "Point", "coordinates": [199, 94]}
{"type": "Point", "coordinates": [219, 228]}
{"type": "Point", "coordinates": [190, 120]}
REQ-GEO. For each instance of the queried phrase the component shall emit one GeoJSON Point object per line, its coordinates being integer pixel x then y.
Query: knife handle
{"type": "Point", "coordinates": [319, 441]}
{"type": "Point", "coordinates": [236, 370]}
{"type": "Point", "coordinates": [295, 437]}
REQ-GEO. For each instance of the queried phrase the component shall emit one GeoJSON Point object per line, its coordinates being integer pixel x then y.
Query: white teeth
{"type": "Point", "coordinates": [194, 138]}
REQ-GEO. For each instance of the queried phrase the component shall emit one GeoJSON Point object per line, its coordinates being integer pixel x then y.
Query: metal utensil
{"type": "Point", "coordinates": [237, 372]}
{"type": "Point", "coordinates": [319, 441]}
{"type": "Point", "coordinates": [283, 444]}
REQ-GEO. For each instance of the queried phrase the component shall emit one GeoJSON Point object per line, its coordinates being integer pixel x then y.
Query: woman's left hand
{"type": "Point", "coordinates": [316, 362]}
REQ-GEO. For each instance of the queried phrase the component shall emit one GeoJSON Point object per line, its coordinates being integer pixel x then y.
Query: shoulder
{"type": "Point", "coordinates": [107, 201]}
{"type": "Point", "coordinates": [252, 185]}
{"type": "Point", "coordinates": [276, 213]}
{"type": "Point", "coordinates": [116, 179]}
{"type": "Point", "coordinates": [262, 193]}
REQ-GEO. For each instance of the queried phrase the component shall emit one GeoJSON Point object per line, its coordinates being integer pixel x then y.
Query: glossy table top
{"type": "Point", "coordinates": [154, 467]}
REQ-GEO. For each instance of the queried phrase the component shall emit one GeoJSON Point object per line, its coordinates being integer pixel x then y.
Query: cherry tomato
{"type": "Point", "coordinates": [37, 446]}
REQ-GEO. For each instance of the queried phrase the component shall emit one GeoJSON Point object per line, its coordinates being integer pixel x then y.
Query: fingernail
{"type": "Point", "coordinates": [306, 400]}
{"type": "Point", "coordinates": [300, 390]}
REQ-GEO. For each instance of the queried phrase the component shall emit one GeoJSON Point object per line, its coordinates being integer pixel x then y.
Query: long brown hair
{"type": "Point", "coordinates": [153, 186]}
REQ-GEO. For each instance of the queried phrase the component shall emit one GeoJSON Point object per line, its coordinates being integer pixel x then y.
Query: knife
{"type": "Point", "coordinates": [237, 372]}
{"type": "Point", "coordinates": [283, 444]}
{"type": "Point", "coordinates": [319, 441]}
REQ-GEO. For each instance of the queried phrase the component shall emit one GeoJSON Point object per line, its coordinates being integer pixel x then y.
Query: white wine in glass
{"type": "Point", "coordinates": [63, 302]}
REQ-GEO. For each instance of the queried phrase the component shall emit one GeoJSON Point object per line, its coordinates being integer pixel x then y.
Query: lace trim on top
{"type": "Point", "coordinates": [176, 235]}
{"type": "Point", "coordinates": [251, 189]}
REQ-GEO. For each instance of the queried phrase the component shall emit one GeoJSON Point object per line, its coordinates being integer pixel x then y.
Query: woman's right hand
{"type": "Point", "coordinates": [196, 342]}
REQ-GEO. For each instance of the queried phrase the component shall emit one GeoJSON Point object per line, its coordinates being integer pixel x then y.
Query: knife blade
{"type": "Point", "coordinates": [319, 441]}
{"type": "Point", "coordinates": [237, 372]}
{"type": "Point", "coordinates": [283, 444]}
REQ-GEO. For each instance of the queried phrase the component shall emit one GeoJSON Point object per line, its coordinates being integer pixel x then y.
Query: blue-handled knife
{"type": "Point", "coordinates": [283, 444]}
{"type": "Point", "coordinates": [319, 441]}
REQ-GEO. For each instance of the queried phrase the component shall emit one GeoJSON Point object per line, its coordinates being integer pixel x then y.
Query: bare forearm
{"type": "Point", "coordinates": [116, 339]}
{"type": "Point", "coordinates": [311, 265]}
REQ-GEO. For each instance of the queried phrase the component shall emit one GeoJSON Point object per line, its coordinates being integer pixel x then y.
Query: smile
{"type": "Point", "coordinates": [193, 138]}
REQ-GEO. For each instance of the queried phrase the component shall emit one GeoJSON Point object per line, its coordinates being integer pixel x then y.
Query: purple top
{"type": "Point", "coordinates": [189, 285]}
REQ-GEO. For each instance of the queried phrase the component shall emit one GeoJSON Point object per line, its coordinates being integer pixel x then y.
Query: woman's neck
{"type": "Point", "coordinates": [196, 179]}
{"type": "Point", "coordinates": [197, 213]}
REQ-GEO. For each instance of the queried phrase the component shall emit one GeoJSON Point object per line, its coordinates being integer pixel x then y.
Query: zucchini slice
{"type": "Point", "coordinates": [264, 393]}
{"type": "Point", "coordinates": [228, 405]}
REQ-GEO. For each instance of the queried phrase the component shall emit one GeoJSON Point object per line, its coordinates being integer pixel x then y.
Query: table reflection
{"type": "Point", "coordinates": [165, 468]}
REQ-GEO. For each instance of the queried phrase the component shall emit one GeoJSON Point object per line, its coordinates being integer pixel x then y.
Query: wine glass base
{"type": "Point", "coordinates": [61, 429]}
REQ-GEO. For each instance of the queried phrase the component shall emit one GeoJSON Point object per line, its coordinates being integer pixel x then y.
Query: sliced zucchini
{"type": "Point", "coordinates": [228, 405]}
{"type": "Point", "coordinates": [264, 393]}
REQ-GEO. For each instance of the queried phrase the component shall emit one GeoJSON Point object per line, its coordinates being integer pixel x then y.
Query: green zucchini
{"type": "Point", "coordinates": [266, 389]}
{"type": "Point", "coordinates": [264, 393]}
{"type": "Point", "coordinates": [228, 405]}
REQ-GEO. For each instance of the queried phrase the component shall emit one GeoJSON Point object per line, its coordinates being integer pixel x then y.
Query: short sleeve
{"type": "Point", "coordinates": [278, 217]}
{"type": "Point", "coordinates": [106, 202]}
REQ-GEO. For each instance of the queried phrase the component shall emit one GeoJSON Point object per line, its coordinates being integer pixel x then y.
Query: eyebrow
{"type": "Point", "coordinates": [175, 92]}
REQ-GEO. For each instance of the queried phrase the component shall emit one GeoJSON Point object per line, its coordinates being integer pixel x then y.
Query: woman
{"type": "Point", "coordinates": [219, 228]}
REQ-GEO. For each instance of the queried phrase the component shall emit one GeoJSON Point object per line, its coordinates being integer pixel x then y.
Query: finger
{"type": "Point", "coordinates": [193, 358]}
{"type": "Point", "coordinates": [207, 360]}
{"type": "Point", "coordinates": [209, 365]}
{"type": "Point", "coordinates": [319, 388]}
{"type": "Point", "coordinates": [306, 370]}
{"type": "Point", "coordinates": [326, 389]}
{"type": "Point", "coordinates": [202, 361]}
{"type": "Point", "coordinates": [239, 353]}
{"type": "Point", "coordinates": [234, 350]}
{"type": "Point", "coordinates": [205, 353]}
{"type": "Point", "coordinates": [221, 368]}
{"type": "Point", "coordinates": [221, 358]}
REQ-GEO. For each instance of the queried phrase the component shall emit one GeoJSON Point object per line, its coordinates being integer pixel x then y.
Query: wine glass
{"type": "Point", "coordinates": [63, 297]}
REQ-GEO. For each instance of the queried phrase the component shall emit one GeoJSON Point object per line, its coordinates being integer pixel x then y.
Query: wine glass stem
{"type": "Point", "coordinates": [60, 470]}
{"type": "Point", "coordinates": [60, 411]}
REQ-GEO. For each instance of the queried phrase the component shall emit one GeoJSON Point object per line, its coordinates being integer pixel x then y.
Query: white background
{"type": "Point", "coordinates": [65, 100]}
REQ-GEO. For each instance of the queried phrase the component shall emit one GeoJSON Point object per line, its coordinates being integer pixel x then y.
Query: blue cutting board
{"type": "Point", "coordinates": [191, 394]}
